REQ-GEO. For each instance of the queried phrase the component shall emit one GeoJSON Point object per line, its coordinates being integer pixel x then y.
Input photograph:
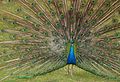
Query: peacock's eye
{"type": "Point", "coordinates": [93, 22]}
{"type": "Point", "coordinates": [27, 17]}
{"type": "Point", "coordinates": [60, 4]}
{"type": "Point", "coordinates": [49, 1]}
{"type": "Point", "coordinates": [25, 29]}
{"type": "Point", "coordinates": [90, 12]}
{"type": "Point", "coordinates": [34, 36]}
{"type": "Point", "coordinates": [107, 3]}
{"type": "Point", "coordinates": [53, 13]}
{"type": "Point", "coordinates": [33, 4]}
{"type": "Point", "coordinates": [36, 25]}
{"type": "Point", "coordinates": [100, 13]}
{"type": "Point", "coordinates": [94, 2]}
{"type": "Point", "coordinates": [71, 8]}
{"type": "Point", "coordinates": [40, 14]}
{"type": "Point", "coordinates": [62, 16]}
{"type": "Point", "coordinates": [18, 9]}
{"type": "Point", "coordinates": [14, 22]}
{"type": "Point", "coordinates": [58, 25]}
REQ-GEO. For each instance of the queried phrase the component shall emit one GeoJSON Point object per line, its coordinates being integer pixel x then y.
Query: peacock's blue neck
{"type": "Point", "coordinates": [71, 57]}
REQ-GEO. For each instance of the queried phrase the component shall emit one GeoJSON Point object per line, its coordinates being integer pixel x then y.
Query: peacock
{"type": "Point", "coordinates": [41, 36]}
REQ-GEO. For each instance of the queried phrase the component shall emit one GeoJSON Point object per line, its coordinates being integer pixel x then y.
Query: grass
{"type": "Point", "coordinates": [61, 75]}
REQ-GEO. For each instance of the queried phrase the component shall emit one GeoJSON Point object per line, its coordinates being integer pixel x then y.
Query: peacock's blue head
{"type": "Point", "coordinates": [71, 41]}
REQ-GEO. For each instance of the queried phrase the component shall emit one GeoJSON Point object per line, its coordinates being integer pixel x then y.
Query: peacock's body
{"type": "Point", "coordinates": [40, 36]}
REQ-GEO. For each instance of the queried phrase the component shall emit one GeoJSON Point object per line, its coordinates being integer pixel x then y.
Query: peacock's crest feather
{"type": "Point", "coordinates": [39, 36]}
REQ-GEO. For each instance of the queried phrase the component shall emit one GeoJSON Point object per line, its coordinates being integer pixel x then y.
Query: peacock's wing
{"type": "Point", "coordinates": [98, 48]}
{"type": "Point", "coordinates": [31, 41]}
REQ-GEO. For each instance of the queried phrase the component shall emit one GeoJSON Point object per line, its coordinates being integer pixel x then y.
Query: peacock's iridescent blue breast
{"type": "Point", "coordinates": [71, 57]}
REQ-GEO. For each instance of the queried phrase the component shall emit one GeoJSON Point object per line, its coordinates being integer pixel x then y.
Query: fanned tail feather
{"type": "Point", "coordinates": [35, 36]}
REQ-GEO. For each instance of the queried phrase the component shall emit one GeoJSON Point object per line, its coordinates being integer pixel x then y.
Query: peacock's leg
{"type": "Point", "coordinates": [70, 70]}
